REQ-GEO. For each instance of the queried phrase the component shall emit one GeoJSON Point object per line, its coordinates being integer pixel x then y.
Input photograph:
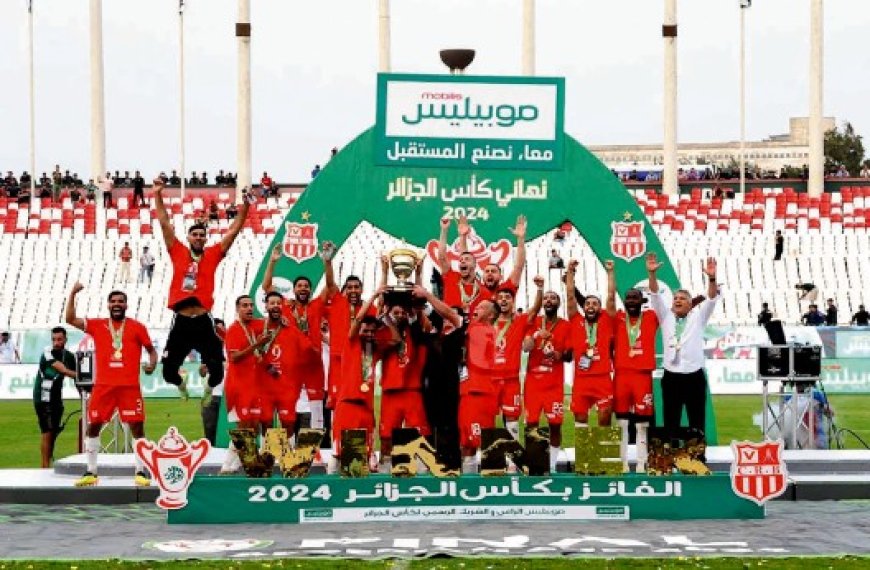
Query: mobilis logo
{"type": "Point", "coordinates": [442, 96]}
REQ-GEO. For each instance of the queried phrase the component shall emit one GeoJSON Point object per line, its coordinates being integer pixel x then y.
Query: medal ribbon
{"type": "Point", "coordinates": [591, 334]}
{"type": "Point", "coordinates": [633, 330]}
{"type": "Point", "coordinates": [465, 297]}
{"type": "Point", "coordinates": [117, 335]}
{"type": "Point", "coordinates": [367, 364]}
{"type": "Point", "coordinates": [679, 329]}
{"type": "Point", "coordinates": [502, 331]}
{"type": "Point", "coordinates": [273, 334]}
{"type": "Point", "coordinates": [301, 321]}
{"type": "Point", "coordinates": [548, 329]}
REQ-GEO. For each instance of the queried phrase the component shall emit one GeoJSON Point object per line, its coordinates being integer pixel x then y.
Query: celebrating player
{"type": "Point", "coordinates": [634, 359]}
{"type": "Point", "coordinates": [462, 288]}
{"type": "Point", "coordinates": [191, 293]}
{"type": "Point", "coordinates": [592, 332]}
{"type": "Point", "coordinates": [244, 344]}
{"type": "Point", "coordinates": [118, 344]}
{"type": "Point", "coordinates": [306, 316]}
{"type": "Point", "coordinates": [684, 382]}
{"type": "Point", "coordinates": [511, 329]}
{"type": "Point", "coordinates": [545, 377]}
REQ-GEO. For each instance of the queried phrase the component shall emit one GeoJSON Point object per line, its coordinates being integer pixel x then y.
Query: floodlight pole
{"type": "Point", "coordinates": [243, 157]}
{"type": "Point", "coordinates": [181, 133]}
{"type": "Point", "coordinates": [98, 111]}
{"type": "Point", "coordinates": [384, 64]}
{"type": "Point", "coordinates": [32, 95]}
{"type": "Point", "coordinates": [528, 37]}
{"type": "Point", "coordinates": [670, 183]}
{"type": "Point", "coordinates": [816, 182]}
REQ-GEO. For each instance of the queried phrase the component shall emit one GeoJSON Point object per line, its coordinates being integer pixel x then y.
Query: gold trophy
{"type": "Point", "coordinates": [403, 261]}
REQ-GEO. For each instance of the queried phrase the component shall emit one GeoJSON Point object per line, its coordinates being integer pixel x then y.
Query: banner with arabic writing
{"type": "Point", "coordinates": [462, 121]}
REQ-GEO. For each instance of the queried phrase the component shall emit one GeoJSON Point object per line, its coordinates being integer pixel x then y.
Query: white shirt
{"type": "Point", "coordinates": [690, 355]}
{"type": "Point", "coordinates": [7, 352]}
{"type": "Point", "coordinates": [146, 259]}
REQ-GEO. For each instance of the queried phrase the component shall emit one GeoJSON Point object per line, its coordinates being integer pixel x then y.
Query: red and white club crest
{"type": "Point", "coordinates": [627, 241]}
{"type": "Point", "coordinates": [758, 472]}
{"type": "Point", "coordinates": [300, 241]}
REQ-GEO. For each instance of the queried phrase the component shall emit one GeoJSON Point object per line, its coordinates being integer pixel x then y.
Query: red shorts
{"type": "Point", "coordinates": [402, 408]}
{"type": "Point", "coordinates": [477, 411]}
{"type": "Point", "coordinates": [246, 404]}
{"type": "Point", "coordinates": [544, 396]}
{"type": "Point", "coordinates": [633, 392]}
{"type": "Point", "coordinates": [106, 399]}
{"type": "Point", "coordinates": [313, 379]}
{"type": "Point", "coordinates": [591, 390]}
{"type": "Point", "coordinates": [509, 397]}
{"type": "Point", "coordinates": [281, 401]}
{"type": "Point", "coordinates": [351, 414]}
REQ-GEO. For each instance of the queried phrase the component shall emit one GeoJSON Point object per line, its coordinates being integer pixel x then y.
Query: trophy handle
{"type": "Point", "coordinates": [198, 452]}
{"type": "Point", "coordinates": [143, 449]}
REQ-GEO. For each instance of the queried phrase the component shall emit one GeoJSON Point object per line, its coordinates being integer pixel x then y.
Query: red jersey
{"type": "Point", "coordinates": [397, 371]}
{"type": "Point", "coordinates": [601, 360]}
{"type": "Point", "coordinates": [546, 364]}
{"type": "Point", "coordinates": [242, 373]}
{"type": "Point", "coordinates": [339, 313]}
{"type": "Point", "coordinates": [193, 277]}
{"type": "Point", "coordinates": [509, 336]}
{"type": "Point", "coordinates": [479, 359]}
{"type": "Point", "coordinates": [358, 369]}
{"type": "Point", "coordinates": [280, 367]}
{"type": "Point", "coordinates": [644, 348]}
{"type": "Point", "coordinates": [455, 290]}
{"type": "Point", "coordinates": [307, 320]}
{"type": "Point", "coordinates": [126, 254]}
{"type": "Point", "coordinates": [114, 369]}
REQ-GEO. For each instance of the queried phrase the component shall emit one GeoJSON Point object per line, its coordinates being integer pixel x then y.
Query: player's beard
{"type": "Point", "coordinates": [551, 312]}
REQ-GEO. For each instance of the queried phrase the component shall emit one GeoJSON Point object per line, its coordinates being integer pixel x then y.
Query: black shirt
{"type": "Point", "coordinates": [861, 318]}
{"type": "Point", "coordinates": [765, 317]}
{"type": "Point", "coordinates": [831, 317]}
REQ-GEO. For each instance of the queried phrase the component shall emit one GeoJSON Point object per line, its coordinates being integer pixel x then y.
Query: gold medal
{"type": "Point", "coordinates": [364, 388]}
{"type": "Point", "coordinates": [590, 352]}
{"type": "Point", "coordinates": [117, 355]}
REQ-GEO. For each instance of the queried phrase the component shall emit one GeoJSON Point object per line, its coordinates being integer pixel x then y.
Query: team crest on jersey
{"type": "Point", "coordinates": [627, 241]}
{"type": "Point", "coordinates": [758, 472]}
{"type": "Point", "coordinates": [300, 241]}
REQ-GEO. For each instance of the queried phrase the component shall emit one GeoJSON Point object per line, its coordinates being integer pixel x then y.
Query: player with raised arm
{"type": "Point", "coordinates": [592, 331]}
{"type": "Point", "coordinates": [191, 293]}
{"type": "Point", "coordinates": [118, 345]}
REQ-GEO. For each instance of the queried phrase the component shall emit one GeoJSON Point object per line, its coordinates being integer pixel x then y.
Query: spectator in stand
{"type": "Point", "coordinates": [126, 256]}
{"type": "Point", "coordinates": [91, 191]}
{"type": "Point", "coordinates": [146, 265]}
{"type": "Point", "coordinates": [865, 170]}
{"type": "Point", "coordinates": [162, 177]}
{"type": "Point", "coordinates": [232, 212]}
{"type": "Point", "coordinates": [315, 172]}
{"type": "Point", "coordinates": [128, 180]}
{"type": "Point", "coordinates": [44, 180]}
{"type": "Point", "coordinates": [174, 180]}
{"type": "Point", "coordinates": [333, 152]}
{"type": "Point", "coordinates": [219, 179]}
{"type": "Point", "coordinates": [194, 179]}
{"type": "Point", "coordinates": [10, 179]}
{"type": "Point", "coordinates": [213, 212]}
{"type": "Point", "coordinates": [67, 179]}
{"type": "Point", "coordinates": [25, 179]}
{"type": "Point", "coordinates": [765, 316]}
{"type": "Point", "coordinates": [139, 190]}
{"type": "Point", "coordinates": [56, 183]}
{"type": "Point", "coordinates": [75, 195]}
{"type": "Point", "coordinates": [231, 179]}
{"type": "Point", "coordinates": [559, 236]}
{"type": "Point", "coordinates": [810, 292]}
{"type": "Point", "coordinates": [203, 179]}
{"type": "Point", "coordinates": [861, 318]}
{"type": "Point", "coordinates": [842, 172]}
{"type": "Point", "coordinates": [105, 185]}
{"type": "Point", "coordinates": [24, 195]}
{"type": "Point", "coordinates": [813, 317]}
{"type": "Point", "coordinates": [831, 314]}
{"type": "Point", "coordinates": [779, 245]}
{"type": "Point", "coordinates": [77, 181]}
{"type": "Point", "coordinates": [116, 179]}
{"type": "Point", "coordinates": [266, 185]}
{"type": "Point", "coordinates": [556, 261]}
{"type": "Point", "coordinates": [8, 351]}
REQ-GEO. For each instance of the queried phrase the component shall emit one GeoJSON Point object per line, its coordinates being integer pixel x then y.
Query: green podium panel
{"type": "Point", "coordinates": [330, 499]}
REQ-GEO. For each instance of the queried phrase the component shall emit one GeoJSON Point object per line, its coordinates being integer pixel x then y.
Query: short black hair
{"type": "Point", "coordinates": [197, 226]}
{"type": "Point", "coordinates": [301, 278]}
{"type": "Point", "coordinates": [370, 320]}
{"type": "Point", "coordinates": [240, 297]}
{"type": "Point", "coordinates": [350, 278]}
{"type": "Point", "coordinates": [271, 294]}
{"type": "Point", "coordinates": [57, 330]}
{"type": "Point", "coordinates": [116, 292]}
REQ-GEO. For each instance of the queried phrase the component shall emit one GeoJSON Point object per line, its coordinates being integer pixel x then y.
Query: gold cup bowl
{"type": "Point", "coordinates": [402, 262]}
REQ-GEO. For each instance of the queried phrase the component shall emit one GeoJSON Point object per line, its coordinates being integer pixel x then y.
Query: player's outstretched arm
{"type": "Point", "coordinates": [652, 265]}
{"type": "Point", "coordinates": [270, 268]}
{"type": "Point", "coordinates": [539, 297]}
{"type": "Point", "coordinates": [710, 272]}
{"type": "Point", "coordinates": [440, 307]}
{"type": "Point", "coordinates": [464, 229]}
{"type": "Point", "coordinates": [519, 231]}
{"type": "Point", "coordinates": [356, 319]}
{"type": "Point", "coordinates": [71, 318]}
{"type": "Point", "coordinates": [569, 288]}
{"type": "Point", "coordinates": [610, 302]}
{"type": "Point", "coordinates": [236, 226]}
{"type": "Point", "coordinates": [162, 216]}
{"type": "Point", "coordinates": [327, 252]}
{"type": "Point", "coordinates": [443, 262]}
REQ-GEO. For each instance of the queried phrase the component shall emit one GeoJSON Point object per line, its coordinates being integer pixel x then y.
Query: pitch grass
{"type": "Point", "coordinates": [845, 562]}
{"type": "Point", "coordinates": [19, 433]}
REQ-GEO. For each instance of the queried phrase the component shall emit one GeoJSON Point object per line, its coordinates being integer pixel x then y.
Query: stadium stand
{"type": "Point", "coordinates": [47, 247]}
